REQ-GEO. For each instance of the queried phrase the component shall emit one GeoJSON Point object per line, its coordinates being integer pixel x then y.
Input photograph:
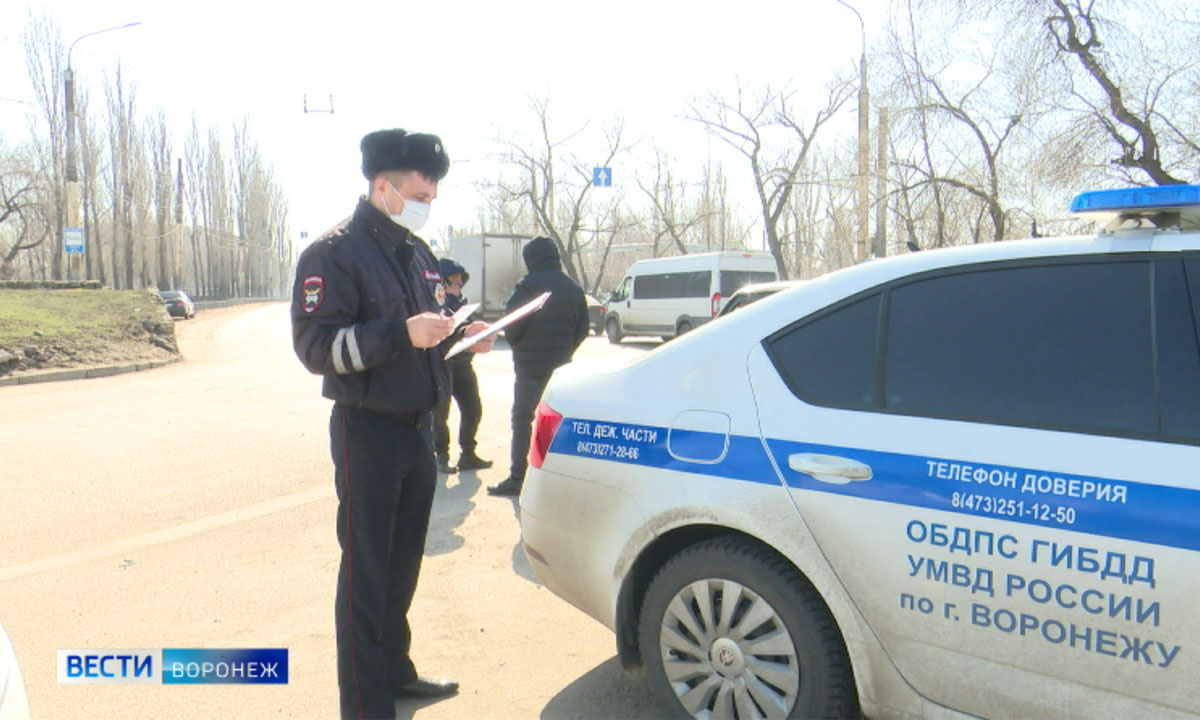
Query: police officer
{"type": "Point", "coordinates": [464, 386]}
{"type": "Point", "coordinates": [366, 314]}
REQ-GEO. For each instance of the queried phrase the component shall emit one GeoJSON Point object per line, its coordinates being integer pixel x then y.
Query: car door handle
{"type": "Point", "coordinates": [829, 468]}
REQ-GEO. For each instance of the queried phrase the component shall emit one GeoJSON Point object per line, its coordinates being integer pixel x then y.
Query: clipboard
{"type": "Point", "coordinates": [460, 316]}
{"type": "Point", "coordinates": [527, 309]}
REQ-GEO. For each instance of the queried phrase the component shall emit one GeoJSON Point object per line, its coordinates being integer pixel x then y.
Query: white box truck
{"type": "Point", "coordinates": [495, 265]}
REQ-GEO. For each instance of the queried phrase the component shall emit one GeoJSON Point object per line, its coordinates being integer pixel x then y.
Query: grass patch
{"type": "Point", "coordinates": [73, 314]}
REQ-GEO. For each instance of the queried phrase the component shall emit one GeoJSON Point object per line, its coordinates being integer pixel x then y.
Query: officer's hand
{"type": "Point", "coordinates": [428, 329]}
{"type": "Point", "coordinates": [483, 345]}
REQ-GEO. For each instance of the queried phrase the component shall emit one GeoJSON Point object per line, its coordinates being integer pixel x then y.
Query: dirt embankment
{"type": "Point", "coordinates": [43, 329]}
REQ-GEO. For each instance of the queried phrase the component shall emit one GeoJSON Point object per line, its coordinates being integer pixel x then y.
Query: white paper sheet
{"type": "Point", "coordinates": [527, 309]}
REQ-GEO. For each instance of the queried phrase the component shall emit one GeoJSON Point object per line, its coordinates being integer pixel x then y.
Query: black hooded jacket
{"type": "Point", "coordinates": [548, 338]}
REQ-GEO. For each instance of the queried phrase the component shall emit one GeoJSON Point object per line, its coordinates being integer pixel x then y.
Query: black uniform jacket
{"type": "Point", "coordinates": [355, 288]}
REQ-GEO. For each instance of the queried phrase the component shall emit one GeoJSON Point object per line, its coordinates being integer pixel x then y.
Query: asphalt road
{"type": "Point", "coordinates": [193, 506]}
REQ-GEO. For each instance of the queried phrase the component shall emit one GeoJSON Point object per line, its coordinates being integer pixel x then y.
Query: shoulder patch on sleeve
{"type": "Point", "coordinates": [314, 292]}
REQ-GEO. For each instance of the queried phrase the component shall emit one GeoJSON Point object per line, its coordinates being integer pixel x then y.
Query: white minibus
{"type": "Point", "coordinates": [670, 296]}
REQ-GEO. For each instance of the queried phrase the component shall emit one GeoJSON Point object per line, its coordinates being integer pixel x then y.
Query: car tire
{"type": "Point", "coordinates": [794, 663]}
{"type": "Point", "coordinates": [613, 329]}
{"type": "Point", "coordinates": [683, 327]}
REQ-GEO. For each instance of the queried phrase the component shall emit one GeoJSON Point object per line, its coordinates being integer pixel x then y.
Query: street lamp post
{"type": "Point", "coordinates": [72, 225]}
{"type": "Point", "coordinates": [863, 132]}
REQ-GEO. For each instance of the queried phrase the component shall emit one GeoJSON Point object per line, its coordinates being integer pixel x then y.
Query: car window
{"type": "Point", "coordinates": [1176, 308]}
{"type": "Point", "coordinates": [731, 280]}
{"type": "Point", "coordinates": [1058, 346]}
{"type": "Point", "coordinates": [831, 360]}
{"type": "Point", "coordinates": [672, 285]}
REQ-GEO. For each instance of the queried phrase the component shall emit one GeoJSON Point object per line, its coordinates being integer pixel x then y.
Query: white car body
{"type": "Point", "coordinates": [14, 705]}
{"type": "Point", "coordinates": [983, 568]}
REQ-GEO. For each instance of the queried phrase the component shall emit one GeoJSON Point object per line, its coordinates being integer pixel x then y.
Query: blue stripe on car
{"type": "Point", "coordinates": [1156, 514]}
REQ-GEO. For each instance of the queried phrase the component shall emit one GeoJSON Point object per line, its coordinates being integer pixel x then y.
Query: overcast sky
{"type": "Point", "coordinates": [463, 70]}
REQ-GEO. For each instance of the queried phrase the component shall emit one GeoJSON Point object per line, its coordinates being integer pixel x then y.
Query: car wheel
{"type": "Point", "coordinates": [614, 331]}
{"type": "Point", "coordinates": [730, 629]}
{"type": "Point", "coordinates": [684, 326]}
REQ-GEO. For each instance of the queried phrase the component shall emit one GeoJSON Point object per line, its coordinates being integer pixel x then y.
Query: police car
{"type": "Point", "coordinates": [956, 481]}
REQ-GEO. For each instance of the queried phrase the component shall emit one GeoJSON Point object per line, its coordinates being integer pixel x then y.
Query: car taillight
{"type": "Point", "coordinates": [716, 303]}
{"type": "Point", "coordinates": [545, 424]}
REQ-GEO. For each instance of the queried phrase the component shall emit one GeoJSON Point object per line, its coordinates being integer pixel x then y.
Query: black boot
{"type": "Point", "coordinates": [443, 465]}
{"type": "Point", "coordinates": [471, 461]}
{"type": "Point", "coordinates": [509, 488]}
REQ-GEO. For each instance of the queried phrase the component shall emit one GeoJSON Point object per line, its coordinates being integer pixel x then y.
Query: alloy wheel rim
{"type": "Point", "coordinates": [727, 653]}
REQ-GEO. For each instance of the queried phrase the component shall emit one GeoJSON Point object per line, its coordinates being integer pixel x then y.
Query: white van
{"type": "Point", "coordinates": [669, 296]}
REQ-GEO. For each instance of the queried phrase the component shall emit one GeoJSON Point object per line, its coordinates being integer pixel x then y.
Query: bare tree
{"type": "Point", "coordinates": [559, 200]}
{"type": "Point", "coordinates": [748, 125]}
{"type": "Point", "coordinates": [122, 126]}
{"type": "Point", "coordinates": [45, 60]}
{"type": "Point", "coordinates": [159, 140]}
{"type": "Point", "coordinates": [91, 174]}
{"type": "Point", "coordinates": [675, 217]}
{"type": "Point", "coordinates": [20, 205]}
{"type": "Point", "coordinates": [197, 202]}
{"type": "Point", "coordinates": [1134, 112]}
{"type": "Point", "coordinates": [967, 118]}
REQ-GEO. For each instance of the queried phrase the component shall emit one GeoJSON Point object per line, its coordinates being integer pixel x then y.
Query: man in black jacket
{"type": "Point", "coordinates": [464, 386]}
{"type": "Point", "coordinates": [540, 342]}
{"type": "Point", "coordinates": [367, 315]}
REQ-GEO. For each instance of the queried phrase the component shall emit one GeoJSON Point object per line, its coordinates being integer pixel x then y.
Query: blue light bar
{"type": "Point", "coordinates": [1137, 200]}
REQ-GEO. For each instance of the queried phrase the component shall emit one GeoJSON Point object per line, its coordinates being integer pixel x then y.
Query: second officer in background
{"type": "Point", "coordinates": [464, 387]}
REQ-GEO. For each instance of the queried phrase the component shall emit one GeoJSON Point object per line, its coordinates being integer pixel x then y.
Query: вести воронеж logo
{"type": "Point", "coordinates": [174, 666]}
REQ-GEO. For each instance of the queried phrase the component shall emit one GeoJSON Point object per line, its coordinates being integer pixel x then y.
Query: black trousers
{"type": "Point", "coordinates": [385, 476]}
{"type": "Point", "coordinates": [527, 391]}
{"type": "Point", "coordinates": [464, 388]}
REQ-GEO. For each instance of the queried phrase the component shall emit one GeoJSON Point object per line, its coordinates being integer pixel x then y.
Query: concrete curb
{"type": "Point", "coordinates": [84, 373]}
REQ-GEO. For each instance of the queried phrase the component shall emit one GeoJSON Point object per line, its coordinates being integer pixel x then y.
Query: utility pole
{"type": "Point", "coordinates": [72, 242]}
{"type": "Point", "coordinates": [864, 151]}
{"type": "Point", "coordinates": [864, 158]}
{"type": "Point", "coordinates": [881, 203]}
{"type": "Point", "coordinates": [178, 285]}
{"type": "Point", "coordinates": [71, 227]}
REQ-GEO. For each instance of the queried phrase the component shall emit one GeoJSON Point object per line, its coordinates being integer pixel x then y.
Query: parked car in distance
{"type": "Point", "coordinates": [756, 291]}
{"type": "Point", "coordinates": [596, 313]}
{"type": "Point", "coordinates": [178, 304]}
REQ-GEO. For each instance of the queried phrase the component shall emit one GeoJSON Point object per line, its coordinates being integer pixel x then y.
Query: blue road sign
{"type": "Point", "coordinates": [73, 240]}
{"type": "Point", "coordinates": [602, 177]}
